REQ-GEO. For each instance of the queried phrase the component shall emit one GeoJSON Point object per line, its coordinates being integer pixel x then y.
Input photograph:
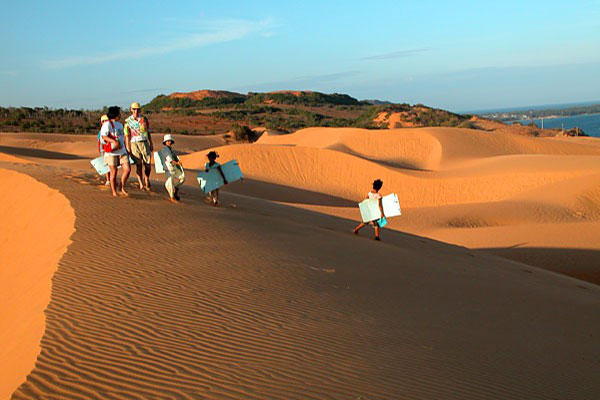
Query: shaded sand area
{"type": "Point", "coordinates": [268, 301]}
{"type": "Point", "coordinates": [535, 200]}
{"type": "Point", "coordinates": [36, 225]}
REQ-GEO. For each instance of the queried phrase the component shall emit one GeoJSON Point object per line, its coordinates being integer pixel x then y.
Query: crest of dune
{"type": "Point", "coordinates": [36, 225]}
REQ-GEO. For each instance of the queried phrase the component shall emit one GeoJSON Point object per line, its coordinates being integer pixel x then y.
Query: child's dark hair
{"type": "Point", "coordinates": [377, 184]}
{"type": "Point", "coordinates": [113, 112]}
{"type": "Point", "coordinates": [212, 155]}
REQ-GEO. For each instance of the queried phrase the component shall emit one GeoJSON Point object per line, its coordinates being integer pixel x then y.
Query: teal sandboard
{"type": "Point", "coordinates": [212, 179]}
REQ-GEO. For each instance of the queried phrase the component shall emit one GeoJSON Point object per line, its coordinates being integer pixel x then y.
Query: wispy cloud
{"type": "Point", "coordinates": [301, 82]}
{"type": "Point", "coordinates": [213, 32]}
{"type": "Point", "coordinates": [9, 72]}
{"type": "Point", "coordinates": [397, 54]}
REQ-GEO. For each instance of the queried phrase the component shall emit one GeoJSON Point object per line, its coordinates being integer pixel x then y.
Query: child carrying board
{"type": "Point", "coordinates": [213, 164]}
{"type": "Point", "coordinates": [173, 169]}
{"type": "Point", "coordinates": [380, 222]}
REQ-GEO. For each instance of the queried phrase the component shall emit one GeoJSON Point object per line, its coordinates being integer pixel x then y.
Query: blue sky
{"type": "Point", "coordinates": [459, 55]}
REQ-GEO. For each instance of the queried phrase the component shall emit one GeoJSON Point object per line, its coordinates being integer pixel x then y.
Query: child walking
{"type": "Point", "coordinates": [173, 169]}
{"type": "Point", "coordinates": [373, 194]}
{"type": "Point", "coordinates": [211, 164]}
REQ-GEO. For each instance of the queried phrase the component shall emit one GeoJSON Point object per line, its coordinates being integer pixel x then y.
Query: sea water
{"type": "Point", "coordinates": [589, 123]}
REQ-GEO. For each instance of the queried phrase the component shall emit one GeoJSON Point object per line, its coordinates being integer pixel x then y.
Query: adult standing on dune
{"type": "Point", "coordinates": [115, 153]}
{"type": "Point", "coordinates": [139, 144]}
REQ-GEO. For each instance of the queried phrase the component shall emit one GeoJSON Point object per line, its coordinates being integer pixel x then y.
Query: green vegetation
{"type": "Point", "coordinates": [160, 102]}
{"type": "Point", "coordinates": [46, 120]}
{"type": "Point", "coordinates": [302, 98]}
{"type": "Point", "coordinates": [426, 116]}
{"type": "Point", "coordinates": [287, 111]}
{"type": "Point", "coordinates": [243, 133]}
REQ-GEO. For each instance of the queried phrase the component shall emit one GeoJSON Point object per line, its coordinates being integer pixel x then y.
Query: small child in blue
{"type": "Point", "coordinates": [212, 163]}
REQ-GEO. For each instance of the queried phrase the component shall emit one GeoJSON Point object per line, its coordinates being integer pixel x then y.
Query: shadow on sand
{"type": "Point", "coordinates": [579, 263]}
{"type": "Point", "coordinates": [38, 153]}
{"type": "Point", "coordinates": [280, 193]}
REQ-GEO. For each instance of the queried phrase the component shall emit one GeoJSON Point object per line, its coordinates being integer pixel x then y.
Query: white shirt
{"type": "Point", "coordinates": [372, 195]}
{"type": "Point", "coordinates": [117, 130]}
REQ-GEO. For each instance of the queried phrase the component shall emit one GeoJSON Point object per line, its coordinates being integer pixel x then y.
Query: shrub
{"type": "Point", "coordinates": [244, 133]}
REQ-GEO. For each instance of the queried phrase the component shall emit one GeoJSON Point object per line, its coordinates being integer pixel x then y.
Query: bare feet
{"type": "Point", "coordinates": [377, 238]}
{"type": "Point", "coordinates": [355, 231]}
{"type": "Point", "coordinates": [174, 200]}
{"type": "Point", "coordinates": [124, 193]}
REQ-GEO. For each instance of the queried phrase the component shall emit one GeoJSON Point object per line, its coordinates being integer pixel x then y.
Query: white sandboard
{"type": "Point", "coordinates": [99, 166]}
{"type": "Point", "coordinates": [369, 208]}
{"type": "Point", "coordinates": [159, 163]}
{"type": "Point", "coordinates": [391, 205]}
{"type": "Point", "coordinates": [212, 179]}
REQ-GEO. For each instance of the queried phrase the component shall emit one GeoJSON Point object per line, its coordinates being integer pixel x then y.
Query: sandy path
{"type": "Point", "coordinates": [36, 224]}
{"type": "Point", "coordinates": [265, 301]}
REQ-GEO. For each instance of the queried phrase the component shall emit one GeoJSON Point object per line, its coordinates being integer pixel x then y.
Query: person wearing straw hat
{"type": "Point", "coordinates": [139, 144]}
{"type": "Point", "coordinates": [173, 169]}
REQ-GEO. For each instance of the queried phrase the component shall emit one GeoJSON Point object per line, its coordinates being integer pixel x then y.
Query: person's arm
{"type": "Point", "coordinates": [128, 143]}
{"type": "Point", "coordinates": [127, 133]}
{"type": "Point", "coordinates": [223, 175]}
{"type": "Point", "coordinates": [381, 208]}
{"type": "Point", "coordinates": [149, 136]}
{"type": "Point", "coordinates": [110, 140]}
{"type": "Point", "coordinates": [104, 135]}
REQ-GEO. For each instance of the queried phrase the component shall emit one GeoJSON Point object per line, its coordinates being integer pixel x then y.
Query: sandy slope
{"type": "Point", "coordinates": [474, 188]}
{"type": "Point", "coordinates": [466, 187]}
{"type": "Point", "coordinates": [36, 225]}
{"type": "Point", "coordinates": [266, 301]}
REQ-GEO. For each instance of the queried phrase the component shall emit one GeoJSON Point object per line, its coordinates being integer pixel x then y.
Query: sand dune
{"type": "Point", "coordinates": [342, 175]}
{"type": "Point", "coordinates": [272, 297]}
{"type": "Point", "coordinates": [266, 301]}
{"type": "Point", "coordinates": [454, 184]}
{"type": "Point", "coordinates": [428, 148]}
{"type": "Point", "coordinates": [36, 224]}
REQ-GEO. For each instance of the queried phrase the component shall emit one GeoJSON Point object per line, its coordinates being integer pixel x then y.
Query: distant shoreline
{"type": "Point", "coordinates": [552, 117]}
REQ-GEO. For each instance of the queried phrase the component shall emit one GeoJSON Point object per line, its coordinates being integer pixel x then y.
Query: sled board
{"type": "Point", "coordinates": [369, 208]}
{"type": "Point", "coordinates": [159, 163]}
{"type": "Point", "coordinates": [212, 179]}
{"type": "Point", "coordinates": [101, 168]}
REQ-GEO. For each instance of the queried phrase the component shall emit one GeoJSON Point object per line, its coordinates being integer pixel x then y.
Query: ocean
{"type": "Point", "coordinates": [589, 123]}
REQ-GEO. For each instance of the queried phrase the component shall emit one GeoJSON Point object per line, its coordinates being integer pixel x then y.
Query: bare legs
{"type": "Point", "coordinates": [125, 176]}
{"type": "Point", "coordinates": [214, 197]}
{"type": "Point", "coordinates": [362, 225]}
{"type": "Point", "coordinates": [143, 179]}
{"type": "Point", "coordinates": [113, 178]}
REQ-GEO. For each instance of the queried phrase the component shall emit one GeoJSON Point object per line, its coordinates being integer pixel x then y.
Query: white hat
{"type": "Point", "coordinates": [167, 138]}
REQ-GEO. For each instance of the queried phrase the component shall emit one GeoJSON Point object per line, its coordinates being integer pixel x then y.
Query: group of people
{"type": "Point", "coordinates": [120, 144]}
